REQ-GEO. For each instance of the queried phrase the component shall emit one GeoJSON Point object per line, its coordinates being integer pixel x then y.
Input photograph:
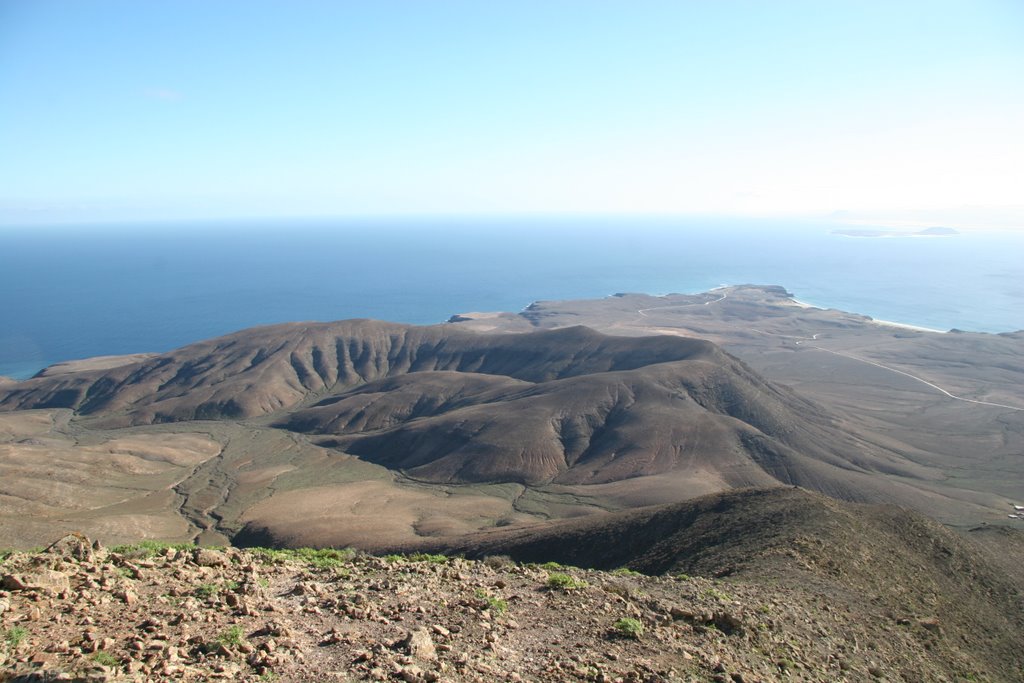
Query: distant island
{"type": "Point", "coordinates": [871, 232]}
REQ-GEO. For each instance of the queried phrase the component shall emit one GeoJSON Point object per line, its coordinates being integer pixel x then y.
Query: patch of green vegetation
{"type": "Point", "coordinates": [626, 571]}
{"type": "Point", "coordinates": [683, 577]}
{"type": "Point", "coordinates": [497, 605]}
{"type": "Point", "coordinates": [393, 558]}
{"type": "Point", "coordinates": [104, 658]}
{"type": "Point", "coordinates": [494, 605]}
{"type": "Point", "coordinates": [4, 554]}
{"type": "Point", "coordinates": [147, 549]}
{"type": "Point", "coordinates": [205, 590]}
{"type": "Point", "coordinates": [427, 557]}
{"type": "Point", "coordinates": [629, 628]}
{"type": "Point", "coordinates": [565, 582]}
{"type": "Point", "coordinates": [322, 558]}
{"type": "Point", "coordinates": [232, 637]}
{"type": "Point", "coordinates": [716, 594]}
{"type": "Point", "coordinates": [551, 566]}
{"type": "Point", "coordinates": [13, 636]}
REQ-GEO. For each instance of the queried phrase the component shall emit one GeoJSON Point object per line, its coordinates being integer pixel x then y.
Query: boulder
{"type": "Point", "coordinates": [74, 545]}
{"type": "Point", "coordinates": [46, 580]}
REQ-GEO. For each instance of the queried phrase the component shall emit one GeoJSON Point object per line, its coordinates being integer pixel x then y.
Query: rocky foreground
{"type": "Point", "coordinates": [80, 612]}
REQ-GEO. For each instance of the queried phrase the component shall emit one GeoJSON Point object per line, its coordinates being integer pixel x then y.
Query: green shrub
{"type": "Point", "coordinates": [232, 637]}
{"type": "Point", "coordinates": [206, 590]}
{"type": "Point", "coordinates": [629, 628]}
{"type": "Point", "coordinates": [104, 658]}
{"type": "Point", "coordinates": [325, 558]}
{"type": "Point", "coordinates": [491, 603]}
{"type": "Point", "coordinates": [427, 557]}
{"type": "Point", "coordinates": [716, 594]}
{"type": "Point", "coordinates": [625, 571]}
{"type": "Point", "coordinates": [564, 582]}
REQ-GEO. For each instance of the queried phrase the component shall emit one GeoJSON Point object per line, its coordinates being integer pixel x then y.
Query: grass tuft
{"type": "Point", "coordinates": [232, 637]}
{"type": "Point", "coordinates": [13, 636]}
{"type": "Point", "coordinates": [321, 558]}
{"type": "Point", "coordinates": [427, 557]}
{"type": "Point", "coordinates": [629, 628]}
{"type": "Point", "coordinates": [565, 582]}
{"type": "Point", "coordinates": [626, 571]}
{"type": "Point", "coordinates": [105, 658]}
{"type": "Point", "coordinates": [147, 549]}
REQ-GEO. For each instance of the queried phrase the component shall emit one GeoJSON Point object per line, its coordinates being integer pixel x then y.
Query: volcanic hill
{"type": "Point", "coordinates": [520, 426]}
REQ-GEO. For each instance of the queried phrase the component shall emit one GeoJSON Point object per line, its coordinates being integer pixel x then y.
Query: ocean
{"type": "Point", "coordinates": [80, 291]}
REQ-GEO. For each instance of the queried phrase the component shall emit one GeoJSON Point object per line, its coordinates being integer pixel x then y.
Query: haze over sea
{"type": "Point", "coordinates": [76, 292]}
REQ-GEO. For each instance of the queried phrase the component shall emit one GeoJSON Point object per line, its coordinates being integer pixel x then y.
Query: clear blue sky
{"type": "Point", "coordinates": [146, 109]}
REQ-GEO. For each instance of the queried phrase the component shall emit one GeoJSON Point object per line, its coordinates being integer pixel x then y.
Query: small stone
{"type": "Point", "coordinates": [411, 674]}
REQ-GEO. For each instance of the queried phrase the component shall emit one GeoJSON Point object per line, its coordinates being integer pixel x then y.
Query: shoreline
{"type": "Point", "coordinates": [77, 363]}
{"type": "Point", "coordinates": [907, 326]}
{"type": "Point", "coordinates": [875, 321]}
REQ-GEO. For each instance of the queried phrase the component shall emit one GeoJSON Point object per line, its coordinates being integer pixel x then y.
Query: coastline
{"type": "Point", "coordinates": [874, 321]}
{"type": "Point", "coordinates": [93, 362]}
{"type": "Point", "coordinates": [906, 326]}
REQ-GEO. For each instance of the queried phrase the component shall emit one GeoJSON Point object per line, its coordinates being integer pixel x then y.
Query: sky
{"type": "Point", "coordinates": [874, 111]}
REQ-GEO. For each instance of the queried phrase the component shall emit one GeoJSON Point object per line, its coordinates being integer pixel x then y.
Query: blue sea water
{"type": "Point", "coordinates": [75, 292]}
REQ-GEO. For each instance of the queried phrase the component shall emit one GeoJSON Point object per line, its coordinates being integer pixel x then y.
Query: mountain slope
{"type": "Point", "coordinates": [568, 406]}
{"type": "Point", "coordinates": [951, 593]}
{"type": "Point", "coordinates": [262, 370]}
